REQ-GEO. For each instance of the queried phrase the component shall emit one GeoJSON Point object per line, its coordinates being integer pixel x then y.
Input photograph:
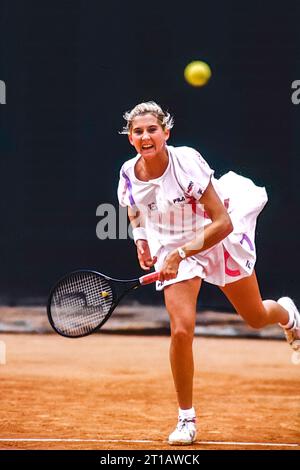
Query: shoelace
{"type": "Point", "coordinates": [183, 422]}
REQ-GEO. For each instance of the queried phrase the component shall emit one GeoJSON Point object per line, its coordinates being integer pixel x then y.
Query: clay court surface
{"type": "Point", "coordinates": [116, 392]}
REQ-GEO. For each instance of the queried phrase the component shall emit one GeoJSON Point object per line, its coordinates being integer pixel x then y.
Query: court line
{"type": "Point", "coordinates": [143, 441]}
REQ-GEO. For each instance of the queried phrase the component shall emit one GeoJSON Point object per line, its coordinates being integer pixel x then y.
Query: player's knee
{"type": "Point", "coordinates": [182, 334]}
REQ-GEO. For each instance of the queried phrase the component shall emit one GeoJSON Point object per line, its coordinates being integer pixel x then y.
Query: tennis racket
{"type": "Point", "coordinates": [82, 301]}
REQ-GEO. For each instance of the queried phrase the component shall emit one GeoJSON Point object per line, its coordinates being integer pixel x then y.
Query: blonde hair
{"type": "Point", "coordinates": [149, 107]}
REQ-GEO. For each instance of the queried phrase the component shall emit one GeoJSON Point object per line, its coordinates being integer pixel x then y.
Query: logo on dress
{"type": "Point", "coordinates": [152, 206]}
{"type": "Point", "coordinates": [179, 199]}
{"type": "Point", "coordinates": [189, 188]}
{"type": "Point", "coordinates": [160, 283]}
{"type": "Point", "coordinates": [249, 264]}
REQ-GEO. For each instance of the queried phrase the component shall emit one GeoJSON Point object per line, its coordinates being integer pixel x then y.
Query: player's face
{"type": "Point", "coordinates": [148, 137]}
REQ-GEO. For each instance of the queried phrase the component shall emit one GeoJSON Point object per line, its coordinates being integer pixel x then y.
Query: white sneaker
{"type": "Point", "coordinates": [185, 432]}
{"type": "Point", "coordinates": [292, 334]}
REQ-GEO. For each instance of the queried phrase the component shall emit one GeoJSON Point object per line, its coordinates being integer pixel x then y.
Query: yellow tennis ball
{"type": "Point", "coordinates": [197, 73]}
{"type": "Point", "coordinates": [104, 293]}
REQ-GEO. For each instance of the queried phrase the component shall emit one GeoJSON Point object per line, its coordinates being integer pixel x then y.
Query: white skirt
{"type": "Point", "coordinates": [234, 257]}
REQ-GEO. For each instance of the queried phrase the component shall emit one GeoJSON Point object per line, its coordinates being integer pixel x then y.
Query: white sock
{"type": "Point", "coordinates": [187, 414]}
{"type": "Point", "coordinates": [290, 323]}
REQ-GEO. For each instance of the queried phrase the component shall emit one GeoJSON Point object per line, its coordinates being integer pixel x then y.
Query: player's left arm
{"type": "Point", "coordinates": [208, 236]}
{"type": "Point", "coordinates": [219, 228]}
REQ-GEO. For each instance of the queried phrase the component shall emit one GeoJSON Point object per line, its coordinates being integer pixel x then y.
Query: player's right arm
{"type": "Point", "coordinates": [143, 252]}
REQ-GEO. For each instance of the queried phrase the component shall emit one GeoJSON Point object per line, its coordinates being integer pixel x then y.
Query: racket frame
{"type": "Point", "coordinates": [131, 285]}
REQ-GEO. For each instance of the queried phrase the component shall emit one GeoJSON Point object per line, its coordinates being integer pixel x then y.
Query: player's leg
{"type": "Point", "coordinates": [245, 296]}
{"type": "Point", "coordinates": [181, 301]}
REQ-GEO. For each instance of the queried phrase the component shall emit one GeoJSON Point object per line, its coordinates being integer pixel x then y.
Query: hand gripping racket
{"type": "Point", "coordinates": [82, 301]}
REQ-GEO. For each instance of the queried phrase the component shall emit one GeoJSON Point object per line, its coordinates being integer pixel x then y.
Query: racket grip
{"type": "Point", "coordinates": [149, 278]}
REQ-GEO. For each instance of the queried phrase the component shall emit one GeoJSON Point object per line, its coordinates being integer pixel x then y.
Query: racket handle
{"type": "Point", "coordinates": [149, 278]}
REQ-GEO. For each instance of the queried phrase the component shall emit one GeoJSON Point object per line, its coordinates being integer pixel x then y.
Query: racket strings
{"type": "Point", "coordinates": [80, 303]}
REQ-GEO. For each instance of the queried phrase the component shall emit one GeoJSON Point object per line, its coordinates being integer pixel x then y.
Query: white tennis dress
{"type": "Point", "coordinates": [172, 215]}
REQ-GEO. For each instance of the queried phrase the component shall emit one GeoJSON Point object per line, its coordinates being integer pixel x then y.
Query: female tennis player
{"type": "Point", "coordinates": [193, 227]}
